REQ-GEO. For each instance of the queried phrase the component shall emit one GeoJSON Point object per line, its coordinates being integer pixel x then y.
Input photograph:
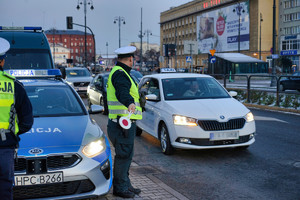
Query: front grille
{"type": "Point", "coordinates": [53, 162]}
{"type": "Point", "coordinates": [211, 125]}
{"type": "Point", "coordinates": [53, 190]}
{"type": "Point", "coordinates": [81, 84]}
{"type": "Point", "coordinates": [207, 142]}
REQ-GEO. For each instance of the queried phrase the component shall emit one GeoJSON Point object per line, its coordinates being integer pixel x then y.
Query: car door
{"type": "Point", "coordinates": [92, 90]}
{"type": "Point", "coordinates": [148, 123]}
{"type": "Point", "coordinates": [95, 90]}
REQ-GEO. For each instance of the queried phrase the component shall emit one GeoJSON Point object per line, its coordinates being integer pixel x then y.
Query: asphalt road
{"type": "Point", "coordinates": [269, 169]}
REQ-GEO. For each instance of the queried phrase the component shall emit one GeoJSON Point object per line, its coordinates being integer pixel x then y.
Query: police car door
{"type": "Point", "coordinates": [149, 121]}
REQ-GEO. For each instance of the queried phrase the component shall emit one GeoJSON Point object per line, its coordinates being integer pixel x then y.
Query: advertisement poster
{"type": "Point", "coordinates": [219, 29]}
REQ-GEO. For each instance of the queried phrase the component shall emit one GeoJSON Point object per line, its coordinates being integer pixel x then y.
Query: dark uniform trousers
{"type": "Point", "coordinates": [123, 154]}
{"type": "Point", "coordinates": [6, 173]}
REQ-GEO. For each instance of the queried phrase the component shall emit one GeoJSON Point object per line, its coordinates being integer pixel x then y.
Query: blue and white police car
{"type": "Point", "coordinates": [65, 155]}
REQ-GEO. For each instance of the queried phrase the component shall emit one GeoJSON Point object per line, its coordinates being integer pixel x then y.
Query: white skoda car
{"type": "Point", "coordinates": [193, 111]}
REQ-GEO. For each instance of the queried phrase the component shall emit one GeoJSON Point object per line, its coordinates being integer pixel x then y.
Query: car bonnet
{"type": "Point", "coordinates": [59, 134]}
{"type": "Point", "coordinates": [209, 108]}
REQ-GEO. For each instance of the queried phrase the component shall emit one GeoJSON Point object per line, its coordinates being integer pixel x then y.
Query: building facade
{"type": "Point", "coordinates": [289, 31]}
{"type": "Point", "coordinates": [226, 26]}
{"type": "Point", "coordinates": [74, 40]}
{"type": "Point", "coordinates": [60, 54]}
{"type": "Point", "coordinates": [146, 46]}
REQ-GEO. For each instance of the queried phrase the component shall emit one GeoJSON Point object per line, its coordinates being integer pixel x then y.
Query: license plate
{"type": "Point", "coordinates": [38, 179]}
{"type": "Point", "coordinates": [81, 88]}
{"type": "Point", "coordinates": [232, 135]}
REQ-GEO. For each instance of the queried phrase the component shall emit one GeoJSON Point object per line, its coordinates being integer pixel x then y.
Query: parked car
{"type": "Point", "coordinates": [79, 78]}
{"type": "Point", "coordinates": [65, 155]}
{"type": "Point", "coordinates": [96, 91]}
{"type": "Point", "coordinates": [193, 111]}
{"type": "Point", "coordinates": [290, 83]}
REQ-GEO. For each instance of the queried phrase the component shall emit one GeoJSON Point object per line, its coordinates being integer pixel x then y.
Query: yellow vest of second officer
{"type": "Point", "coordinates": [8, 116]}
{"type": "Point", "coordinates": [115, 108]}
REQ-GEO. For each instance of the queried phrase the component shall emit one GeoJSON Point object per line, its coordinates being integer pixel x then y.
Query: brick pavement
{"type": "Point", "coordinates": [152, 187]}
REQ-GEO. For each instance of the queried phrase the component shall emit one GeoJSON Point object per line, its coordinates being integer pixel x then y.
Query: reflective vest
{"type": "Point", "coordinates": [115, 108]}
{"type": "Point", "coordinates": [8, 116]}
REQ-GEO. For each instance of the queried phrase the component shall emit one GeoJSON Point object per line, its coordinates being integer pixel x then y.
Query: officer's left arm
{"type": "Point", "coordinates": [23, 108]}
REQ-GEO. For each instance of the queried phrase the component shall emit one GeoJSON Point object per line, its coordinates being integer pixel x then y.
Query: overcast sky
{"type": "Point", "coordinates": [52, 13]}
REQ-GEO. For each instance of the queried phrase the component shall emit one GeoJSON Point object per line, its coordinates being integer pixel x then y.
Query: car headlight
{"type": "Point", "coordinates": [182, 120]}
{"type": "Point", "coordinates": [94, 148]}
{"type": "Point", "coordinates": [249, 117]}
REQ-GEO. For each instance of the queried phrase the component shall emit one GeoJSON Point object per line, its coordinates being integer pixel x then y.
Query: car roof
{"type": "Point", "coordinates": [42, 82]}
{"type": "Point", "coordinates": [177, 75]}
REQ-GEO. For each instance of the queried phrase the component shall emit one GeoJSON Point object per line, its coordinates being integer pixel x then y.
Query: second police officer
{"type": "Point", "coordinates": [122, 98]}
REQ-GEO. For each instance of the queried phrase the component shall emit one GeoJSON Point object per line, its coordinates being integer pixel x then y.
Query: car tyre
{"type": "Point", "coordinates": [165, 142]}
{"type": "Point", "coordinates": [138, 131]}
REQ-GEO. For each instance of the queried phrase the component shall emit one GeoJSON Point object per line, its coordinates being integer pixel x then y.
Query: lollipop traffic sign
{"type": "Point", "coordinates": [125, 121]}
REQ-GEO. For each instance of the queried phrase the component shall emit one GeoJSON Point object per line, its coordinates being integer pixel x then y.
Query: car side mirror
{"type": "Point", "coordinates": [98, 85]}
{"type": "Point", "coordinates": [151, 97]}
{"type": "Point", "coordinates": [94, 109]}
{"type": "Point", "coordinates": [233, 93]}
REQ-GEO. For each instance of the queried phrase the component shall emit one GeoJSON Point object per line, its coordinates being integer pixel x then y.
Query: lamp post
{"type": "Point", "coordinates": [273, 80]}
{"type": "Point", "coordinates": [260, 20]}
{"type": "Point", "coordinates": [239, 10]}
{"type": "Point", "coordinates": [106, 54]}
{"type": "Point", "coordinates": [147, 32]}
{"type": "Point", "coordinates": [85, 2]}
{"type": "Point", "coordinates": [119, 19]}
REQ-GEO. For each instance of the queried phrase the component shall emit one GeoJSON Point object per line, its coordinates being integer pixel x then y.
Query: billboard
{"type": "Point", "coordinates": [219, 29]}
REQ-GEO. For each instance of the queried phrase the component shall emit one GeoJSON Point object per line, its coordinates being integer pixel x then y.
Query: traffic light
{"type": "Point", "coordinates": [69, 23]}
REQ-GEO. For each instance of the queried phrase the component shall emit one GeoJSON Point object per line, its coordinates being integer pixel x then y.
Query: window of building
{"type": "Point", "coordinates": [71, 44]}
{"type": "Point", "coordinates": [65, 40]}
{"type": "Point", "coordinates": [76, 50]}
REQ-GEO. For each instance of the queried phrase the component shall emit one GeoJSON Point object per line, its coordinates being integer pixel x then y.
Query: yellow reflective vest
{"type": "Point", "coordinates": [8, 116]}
{"type": "Point", "coordinates": [115, 108]}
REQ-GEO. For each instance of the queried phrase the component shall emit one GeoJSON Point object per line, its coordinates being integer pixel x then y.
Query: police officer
{"type": "Point", "coordinates": [15, 118]}
{"type": "Point", "coordinates": [122, 98]}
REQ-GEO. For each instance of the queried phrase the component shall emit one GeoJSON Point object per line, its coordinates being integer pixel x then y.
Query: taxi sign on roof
{"type": "Point", "coordinates": [167, 70]}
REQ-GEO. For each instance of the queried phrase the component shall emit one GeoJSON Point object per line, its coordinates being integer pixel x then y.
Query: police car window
{"type": "Point", "coordinates": [53, 101]}
{"type": "Point", "coordinates": [28, 59]}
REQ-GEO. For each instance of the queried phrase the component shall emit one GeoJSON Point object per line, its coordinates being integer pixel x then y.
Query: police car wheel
{"type": "Point", "coordinates": [138, 131]}
{"type": "Point", "coordinates": [165, 142]}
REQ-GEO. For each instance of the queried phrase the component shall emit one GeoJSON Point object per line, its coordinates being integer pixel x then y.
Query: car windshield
{"type": "Point", "coordinates": [50, 101]}
{"type": "Point", "coordinates": [28, 59]}
{"type": "Point", "coordinates": [192, 88]}
{"type": "Point", "coordinates": [77, 72]}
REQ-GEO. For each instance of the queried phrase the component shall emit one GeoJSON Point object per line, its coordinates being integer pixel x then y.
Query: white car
{"type": "Point", "coordinates": [79, 78]}
{"type": "Point", "coordinates": [193, 111]}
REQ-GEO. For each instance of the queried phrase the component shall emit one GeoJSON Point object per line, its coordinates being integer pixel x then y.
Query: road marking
{"type": "Point", "coordinates": [269, 119]}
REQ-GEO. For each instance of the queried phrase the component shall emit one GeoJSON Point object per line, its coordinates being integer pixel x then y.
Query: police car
{"type": "Point", "coordinates": [65, 155]}
{"type": "Point", "coordinates": [193, 111]}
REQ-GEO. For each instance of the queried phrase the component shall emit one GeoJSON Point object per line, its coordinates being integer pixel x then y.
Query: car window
{"type": "Point", "coordinates": [192, 88]}
{"type": "Point", "coordinates": [53, 101]}
{"type": "Point", "coordinates": [77, 72]}
{"type": "Point", "coordinates": [151, 86]}
{"type": "Point", "coordinates": [28, 59]}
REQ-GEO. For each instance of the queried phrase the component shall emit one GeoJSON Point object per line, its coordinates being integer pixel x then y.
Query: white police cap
{"type": "Point", "coordinates": [125, 51]}
{"type": "Point", "coordinates": [4, 46]}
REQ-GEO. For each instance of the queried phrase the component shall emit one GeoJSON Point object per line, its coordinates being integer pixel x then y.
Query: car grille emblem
{"type": "Point", "coordinates": [81, 84]}
{"type": "Point", "coordinates": [35, 151]}
{"type": "Point", "coordinates": [222, 117]}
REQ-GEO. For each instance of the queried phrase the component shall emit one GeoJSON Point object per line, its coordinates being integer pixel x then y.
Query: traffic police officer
{"type": "Point", "coordinates": [15, 118]}
{"type": "Point", "coordinates": [122, 98]}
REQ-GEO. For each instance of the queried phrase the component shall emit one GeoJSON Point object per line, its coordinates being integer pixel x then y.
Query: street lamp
{"type": "Point", "coordinates": [119, 19]}
{"type": "Point", "coordinates": [106, 54]}
{"type": "Point", "coordinates": [273, 80]}
{"type": "Point", "coordinates": [239, 10]}
{"type": "Point", "coordinates": [85, 2]}
{"type": "Point", "coordinates": [260, 20]}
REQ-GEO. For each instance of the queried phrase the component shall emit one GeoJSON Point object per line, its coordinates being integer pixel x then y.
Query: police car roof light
{"type": "Point", "coordinates": [46, 73]}
{"type": "Point", "coordinates": [16, 28]}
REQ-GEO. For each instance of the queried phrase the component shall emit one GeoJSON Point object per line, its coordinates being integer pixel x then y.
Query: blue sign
{"type": "Point", "coordinates": [188, 59]}
{"type": "Point", "coordinates": [288, 52]}
{"type": "Point", "coordinates": [212, 59]}
{"type": "Point", "coordinates": [275, 56]}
